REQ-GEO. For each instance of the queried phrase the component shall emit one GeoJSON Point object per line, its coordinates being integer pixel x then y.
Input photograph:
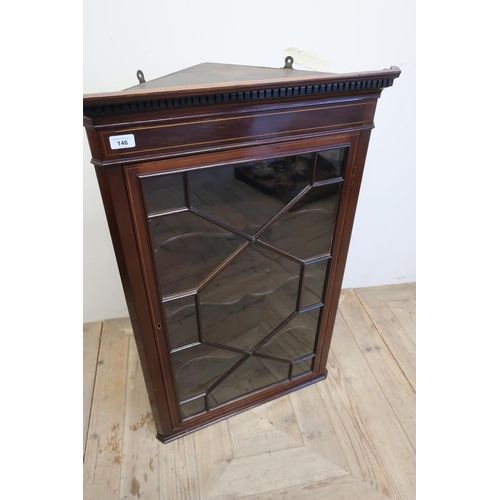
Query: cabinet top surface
{"type": "Point", "coordinates": [215, 77]}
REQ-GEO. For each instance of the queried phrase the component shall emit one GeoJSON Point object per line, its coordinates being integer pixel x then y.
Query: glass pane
{"type": "Point", "coordinates": [330, 164]}
{"type": "Point", "coordinates": [187, 249]}
{"type": "Point", "coordinates": [249, 299]}
{"type": "Point", "coordinates": [181, 321]}
{"type": "Point", "coordinates": [247, 196]}
{"type": "Point", "coordinates": [192, 408]}
{"type": "Point", "coordinates": [302, 368]}
{"type": "Point", "coordinates": [305, 231]}
{"type": "Point", "coordinates": [197, 368]}
{"type": "Point", "coordinates": [163, 192]}
{"type": "Point", "coordinates": [296, 339]}
{"type": "Point", "coordinates": [313, 283]}
{"type": "Point", "coordinates": [254, 374]}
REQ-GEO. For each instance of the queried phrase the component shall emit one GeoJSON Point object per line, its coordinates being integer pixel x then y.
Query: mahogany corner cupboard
{"type": "Point", "coordinates": [230, 194]}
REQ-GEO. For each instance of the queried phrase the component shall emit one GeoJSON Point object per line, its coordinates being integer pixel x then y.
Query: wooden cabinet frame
{"type": "Point", "coordinates": [201, 134]}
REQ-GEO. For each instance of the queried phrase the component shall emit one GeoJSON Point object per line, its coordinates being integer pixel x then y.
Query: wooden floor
{"type": "Point", "coordinates": [351, 436]}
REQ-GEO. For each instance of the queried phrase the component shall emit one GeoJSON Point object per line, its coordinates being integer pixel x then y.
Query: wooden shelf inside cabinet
{"type": "Point", "coordinates": [230, 193]}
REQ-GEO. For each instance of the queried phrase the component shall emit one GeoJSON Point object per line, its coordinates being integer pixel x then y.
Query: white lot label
{"type": "Point", "coordinates": [122, 141]}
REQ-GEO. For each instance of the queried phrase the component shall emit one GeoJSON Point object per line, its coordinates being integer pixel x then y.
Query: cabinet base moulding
{"type": "Point", "coordinates": [301, 383]}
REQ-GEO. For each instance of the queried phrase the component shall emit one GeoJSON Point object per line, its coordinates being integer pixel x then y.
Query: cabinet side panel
{"type": "Point", "coordinates": [115, 200]}
{"type": "Point", "coordinates": [337, 273]}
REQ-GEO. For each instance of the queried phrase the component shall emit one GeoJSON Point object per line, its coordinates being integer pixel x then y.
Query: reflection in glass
{"type": "Point", "coordinates": [305, 231]}
{"type": "Point", "coordinates": [313, 283]}
{"type": "Point", "coordinates": [194, 407]}
{"type": "Point", "coordinates": [197, 368]}
{"type": "Point", "coordinates": [251, 296]}
{"type": "Point", "coordinates": [247, 196]}
{"type": "Point", "coordinates": [181, 319]}
{"type": "Point", "coordinates": [302, 368]}
{"type": "Point", "coordinates": [187, 249]}
{"type": "Point", "coordinates": [330, 164]}
{"type": "Point", "coordinates": [295, 339]}
{"type": "Point", "coordinates": [163, 192]}
{"type": "Point", "coordinates": [249, 299]}
{"type": "Point", "coordinates": [254, 374]}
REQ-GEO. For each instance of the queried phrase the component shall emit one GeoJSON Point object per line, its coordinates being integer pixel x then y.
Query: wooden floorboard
{"type": "Point", "coordinates": [318, 433]}
{"type": "Point", "coordinates": [390, 329]}
{"type": "Point", "coordinates": [272, 464]}
{"type": "Point", "coordinates": [349, 437]}
{"type": "Point", "coordinates": [140, 446]}
{"type": "Point", "coordinates": [390, 452]}
{"type": "Point", "coordinates": [388, 293]}
{"type": "Point", "coordinates": [282, 415]}
{"type": "Point", "coordinates": [91, 343]}
{"type": "Point", "coordinates": [393, 384]}
{"type": "Point", "coordinates": [405, 312]}
{"type": "Point", "coordinates": [103, 456]}
{"type": "Point", "coordinates": [178, 470]}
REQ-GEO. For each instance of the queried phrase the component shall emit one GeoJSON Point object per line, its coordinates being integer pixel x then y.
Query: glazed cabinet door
{"type": "Point", "coordinates": [237, 251]}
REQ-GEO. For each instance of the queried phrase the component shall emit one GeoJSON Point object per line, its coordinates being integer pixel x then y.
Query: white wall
{"type": "Point", "coordinates": [161, 37]}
